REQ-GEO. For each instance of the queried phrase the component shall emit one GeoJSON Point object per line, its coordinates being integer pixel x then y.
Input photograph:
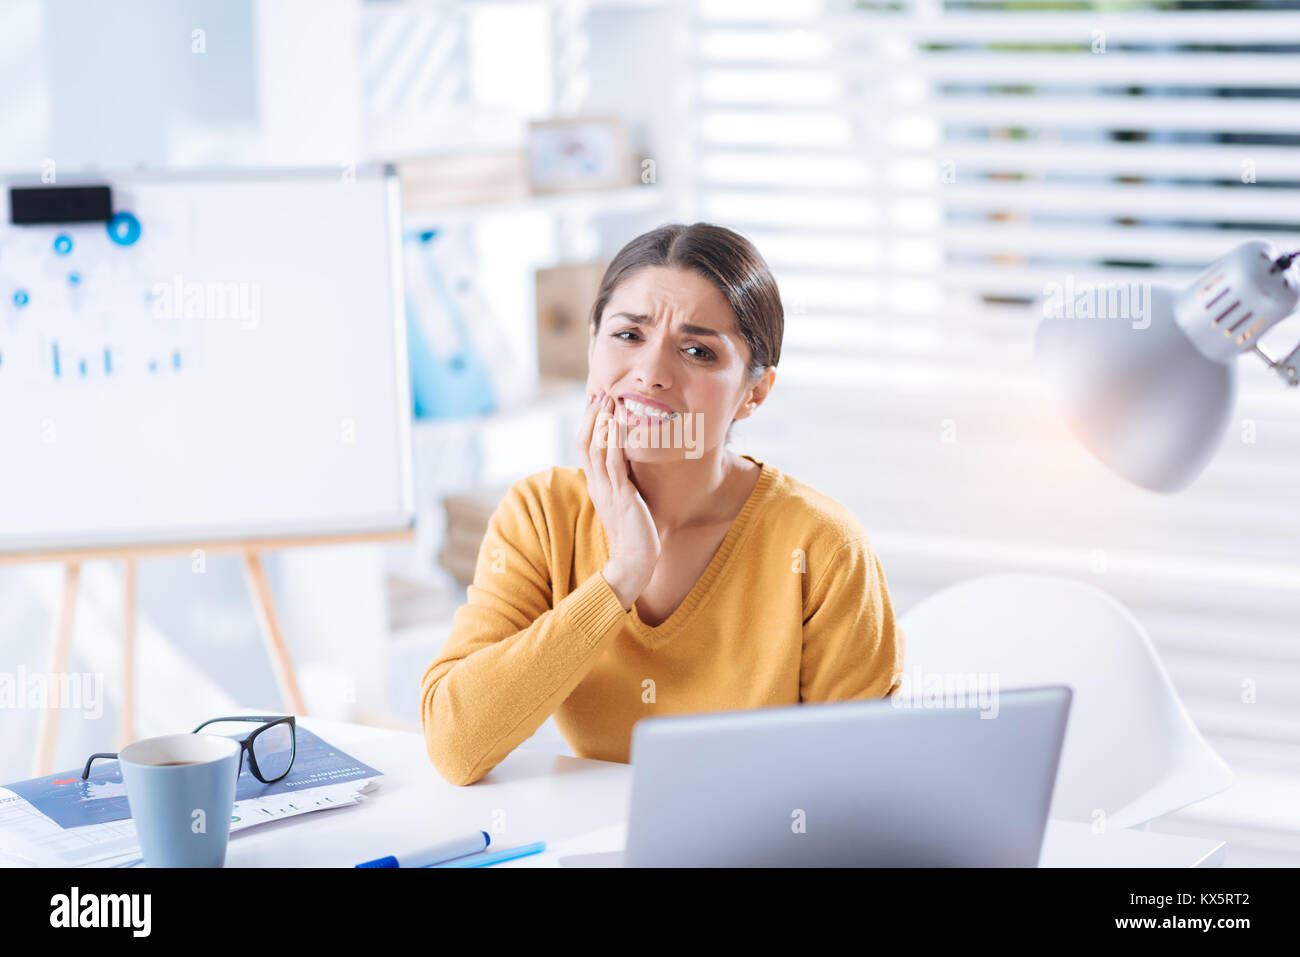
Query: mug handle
{"type": "Point", "coordinates": [101, 754]}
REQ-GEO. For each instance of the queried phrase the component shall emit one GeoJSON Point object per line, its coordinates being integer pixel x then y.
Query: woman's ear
{"type": "Point", "coordinates": [757, 393]}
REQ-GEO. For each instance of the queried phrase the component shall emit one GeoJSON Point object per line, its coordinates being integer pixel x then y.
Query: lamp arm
{"type": "Point", "coordinates": [1287, 367]}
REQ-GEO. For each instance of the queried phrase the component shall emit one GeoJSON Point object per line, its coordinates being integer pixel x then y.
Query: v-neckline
{"type": "Point", "coordinates": [655, 635]}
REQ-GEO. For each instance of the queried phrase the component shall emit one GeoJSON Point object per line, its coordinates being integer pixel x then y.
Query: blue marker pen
{"type": "Point", "coordinates": [436, 853]}
{"type": "Point", "coordinates": [505, 854]}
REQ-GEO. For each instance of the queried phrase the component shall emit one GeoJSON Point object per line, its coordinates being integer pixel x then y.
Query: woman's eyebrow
{"type": "Point", "coordinates": [650, 321]}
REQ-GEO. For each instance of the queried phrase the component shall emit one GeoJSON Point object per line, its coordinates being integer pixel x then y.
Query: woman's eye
{"type": "Point", "coordinates": [705, 354]}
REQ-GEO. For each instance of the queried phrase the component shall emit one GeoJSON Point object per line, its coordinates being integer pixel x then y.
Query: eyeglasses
{"type": "Point", "coordinates": [270, 748]}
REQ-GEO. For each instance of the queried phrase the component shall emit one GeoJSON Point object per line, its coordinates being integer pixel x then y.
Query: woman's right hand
{"type": "Point", "coordinates": [633, 539]}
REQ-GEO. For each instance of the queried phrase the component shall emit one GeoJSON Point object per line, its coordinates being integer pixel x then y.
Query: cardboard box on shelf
{"type": "Point", "coordinates": [564, 296]}
{"type": "Point", "coordinates": [465, 536]}
{"type": "Point", "coordinates": [474, 507]}
{"type": "Point", "coordinates": [468, 515]}
{"type": "Point", "coordinates": [459, 563]}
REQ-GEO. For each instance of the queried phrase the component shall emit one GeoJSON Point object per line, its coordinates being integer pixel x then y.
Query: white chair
{"type": "Point", "coordinates": [1131, 749]}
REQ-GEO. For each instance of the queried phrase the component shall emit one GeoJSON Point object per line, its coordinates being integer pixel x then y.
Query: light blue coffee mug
{"type": "Point", "coordinates": [181, 789]}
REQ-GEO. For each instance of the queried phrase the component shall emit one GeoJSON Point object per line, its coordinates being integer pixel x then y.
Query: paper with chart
{"type": "Point", "coordinates": [61, 820]}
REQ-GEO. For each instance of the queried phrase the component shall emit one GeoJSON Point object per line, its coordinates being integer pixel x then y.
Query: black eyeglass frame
{"type": "Point", "coordinates": [245, 745]}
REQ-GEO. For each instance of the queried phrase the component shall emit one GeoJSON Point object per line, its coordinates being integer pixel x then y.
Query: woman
{"type": "Point", "coordinates": [667, 574]}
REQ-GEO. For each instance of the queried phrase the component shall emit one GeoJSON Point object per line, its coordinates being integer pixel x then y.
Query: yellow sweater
{"type": "Point", "coordinates": [793, 607]}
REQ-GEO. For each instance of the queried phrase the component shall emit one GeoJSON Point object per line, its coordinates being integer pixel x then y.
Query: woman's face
{"type": "Point", "coordinates": [669, 341]}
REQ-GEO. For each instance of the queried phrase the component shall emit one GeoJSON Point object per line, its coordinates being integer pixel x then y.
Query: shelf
{"type": "Point", "coordinates": [594, 202]}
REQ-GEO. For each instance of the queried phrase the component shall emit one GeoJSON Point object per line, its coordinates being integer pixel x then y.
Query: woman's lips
{"type": "Point", "coordinates": [653, 404]}
{"type": "Point", "coordinates": [629, 417]}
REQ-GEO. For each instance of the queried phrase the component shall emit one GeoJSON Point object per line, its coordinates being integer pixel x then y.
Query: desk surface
{"type": "Point", "coordinates": [577, 806]}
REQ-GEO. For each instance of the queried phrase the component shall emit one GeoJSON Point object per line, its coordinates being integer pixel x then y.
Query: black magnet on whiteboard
{"type": "Point", "coordinates": [38, 205]}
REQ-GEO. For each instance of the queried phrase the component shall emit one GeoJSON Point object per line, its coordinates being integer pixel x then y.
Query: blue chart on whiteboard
{"type": "Point", "coordinates": [71, 802]}
{"type": "Point", "coordinates": [97, 301]}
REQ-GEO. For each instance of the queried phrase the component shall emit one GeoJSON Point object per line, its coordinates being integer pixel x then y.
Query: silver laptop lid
{"type": "Point", "coordinates": [855, 783]}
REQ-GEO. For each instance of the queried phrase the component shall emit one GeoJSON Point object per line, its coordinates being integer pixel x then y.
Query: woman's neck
{"type": "Point", "coordinates": [690, 491]}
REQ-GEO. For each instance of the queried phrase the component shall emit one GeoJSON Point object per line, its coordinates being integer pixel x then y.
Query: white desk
{"type": "Point", "coordinates": [577, 806]}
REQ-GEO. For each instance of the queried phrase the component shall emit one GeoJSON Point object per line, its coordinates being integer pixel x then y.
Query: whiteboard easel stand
{"type": "Point", "coordinates": [258, 589]}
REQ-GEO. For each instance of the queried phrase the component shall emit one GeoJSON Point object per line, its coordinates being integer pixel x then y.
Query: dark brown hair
{"type": "Point", "coordinates": [726, 259]}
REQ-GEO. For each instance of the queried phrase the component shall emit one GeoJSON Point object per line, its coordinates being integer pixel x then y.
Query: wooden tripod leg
{"type": "Point", "coordinates": [271, 633]}
{"type": "Point", "coordinates": [48, 731]}
{"type": "Point", "coordinates": [126, 725]}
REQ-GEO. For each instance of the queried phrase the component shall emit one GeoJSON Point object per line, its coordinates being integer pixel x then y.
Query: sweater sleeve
{"type": "Point", "coordinates": [852, 646]}
{"type": "Point", "coordinates": [512, 657]}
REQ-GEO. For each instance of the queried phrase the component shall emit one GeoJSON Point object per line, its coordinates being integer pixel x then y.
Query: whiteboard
{"type": "Point", "coordinates": [224, 359]}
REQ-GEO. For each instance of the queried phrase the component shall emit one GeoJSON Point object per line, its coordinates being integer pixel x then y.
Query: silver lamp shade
{"type": "Point", "coordinates": [1140, 396]}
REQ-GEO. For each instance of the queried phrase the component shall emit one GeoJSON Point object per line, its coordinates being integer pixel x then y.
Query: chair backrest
{"type": "Point", "coordinates": [1131, 750]}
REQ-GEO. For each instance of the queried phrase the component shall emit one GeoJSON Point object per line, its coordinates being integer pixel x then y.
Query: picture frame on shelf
{"type": "Point", "coordinates": [579, 153]}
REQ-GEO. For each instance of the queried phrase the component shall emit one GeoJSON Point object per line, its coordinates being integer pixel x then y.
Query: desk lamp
{"type": "Point", "coordinates": [1153, 399]}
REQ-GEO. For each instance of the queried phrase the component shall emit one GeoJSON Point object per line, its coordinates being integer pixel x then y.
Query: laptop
{"type": "Point", "coordinates": [847, 784]}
